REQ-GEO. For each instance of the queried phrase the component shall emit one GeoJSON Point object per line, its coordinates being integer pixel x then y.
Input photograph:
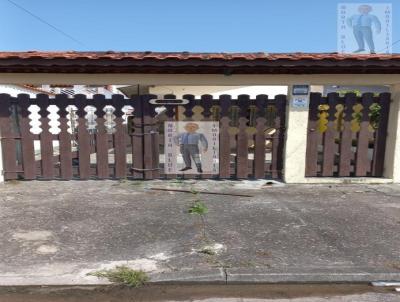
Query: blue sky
{"type": "Point", "coordinates": [176, 25]}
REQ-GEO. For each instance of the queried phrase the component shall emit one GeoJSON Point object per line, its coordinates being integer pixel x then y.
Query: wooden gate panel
{"type": "Point", "coordinates": [354, 128]}
{"type": "Point", "coordinates": [87, 135]}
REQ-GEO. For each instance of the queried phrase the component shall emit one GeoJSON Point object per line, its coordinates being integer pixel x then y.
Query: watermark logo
{"type": "Point", "coordinates": [365, 28]}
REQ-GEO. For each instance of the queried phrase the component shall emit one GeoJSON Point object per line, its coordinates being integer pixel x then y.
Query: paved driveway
{"type": "Point", "coordinates": [54, 232]}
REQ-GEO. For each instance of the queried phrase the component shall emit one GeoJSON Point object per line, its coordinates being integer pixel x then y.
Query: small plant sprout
{"type": "Point", "coordinates": [123, 275]}
{"type": "Point", "coordinates": [200, 209]}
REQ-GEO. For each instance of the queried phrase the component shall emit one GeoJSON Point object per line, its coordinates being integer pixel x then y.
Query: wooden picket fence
{"type": "Point", "coordinates": [347, 135]}
{"type": "Point", "coordinates": [116, 138]}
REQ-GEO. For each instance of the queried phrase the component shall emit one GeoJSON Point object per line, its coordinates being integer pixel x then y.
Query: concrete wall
{"type": "Point", "coordinates": [392, 157]}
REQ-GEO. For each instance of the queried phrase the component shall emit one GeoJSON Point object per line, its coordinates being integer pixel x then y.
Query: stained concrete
{"type": "Point", "coordinates": [204, 293]}
{"type": "Point", "coordinates": [55, 232]}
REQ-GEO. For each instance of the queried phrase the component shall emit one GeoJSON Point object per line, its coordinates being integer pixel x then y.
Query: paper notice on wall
{"type": "Point", "coordinates": [191, 147]}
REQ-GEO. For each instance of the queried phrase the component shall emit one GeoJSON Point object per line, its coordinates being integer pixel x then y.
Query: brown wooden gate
{"type": "Point", "coordinates": [347, 135]}
{"type": "Point", "coordinates": [98, 138]}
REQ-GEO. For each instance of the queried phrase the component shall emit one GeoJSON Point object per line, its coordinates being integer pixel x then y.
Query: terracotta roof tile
{"type": "Point", "coordinates": [190, 62]}
{"type": "Point", "coordinates": [189, 55]}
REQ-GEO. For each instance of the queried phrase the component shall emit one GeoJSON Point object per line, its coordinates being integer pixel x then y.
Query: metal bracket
{"type": "Point", "coordinates": [143, 134]}
{"type": "Point", "coordinates": [144, 170]}
{"type": "Point", "coordinates": [3, 172]}
{"type": "Point", "coordinates": [10, 137]}
{"type": "Point", "coordinates": [140, 125]}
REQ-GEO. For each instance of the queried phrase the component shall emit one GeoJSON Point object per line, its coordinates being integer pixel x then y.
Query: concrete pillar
{"type": "Point", "coordinates": [296, 140]}
{"type": "Point", "coordinates": [392, 155]}
{"type": "Point", "coordinates": [1, 164]}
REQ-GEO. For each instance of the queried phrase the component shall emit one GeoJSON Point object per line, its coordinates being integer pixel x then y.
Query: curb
{"type": "Point", "coordinates": [215, 276]}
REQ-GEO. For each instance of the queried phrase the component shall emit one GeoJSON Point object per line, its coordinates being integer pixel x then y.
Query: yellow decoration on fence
{"type": "Point", "coordinates": [233, 130]}
{"type": "Point", "coordinates": [357, 115]}
{"type": "Point", "coordinates": [251, 130]}
{"type": "Point", "coordinates": [197, 113]}
{"type": "Point", "coordinates": [323, 118]}
{"type": "Point", "coordinates": [339, 117]}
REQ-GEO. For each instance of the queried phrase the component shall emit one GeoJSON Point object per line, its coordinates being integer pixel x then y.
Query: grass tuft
{"type": "Point", "coordinates": [123, 275]}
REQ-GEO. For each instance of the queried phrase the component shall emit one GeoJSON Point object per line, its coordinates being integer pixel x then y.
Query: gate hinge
{"type": "Point", "coordinates": [144, 170]}
{"type": "Point", "coordinates": [143, 134]}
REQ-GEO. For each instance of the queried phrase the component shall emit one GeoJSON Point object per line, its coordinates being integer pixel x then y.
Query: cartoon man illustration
{"type": "Point", "coordinates": [362, 28]}
{"type": "Point", "coordinates": [189, 146]}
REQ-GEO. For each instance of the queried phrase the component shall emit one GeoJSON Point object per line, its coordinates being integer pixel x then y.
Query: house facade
{"type": "Point", "coordinates": [332, 138]}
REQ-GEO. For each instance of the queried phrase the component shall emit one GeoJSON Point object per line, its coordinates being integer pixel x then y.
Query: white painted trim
{"type": "Point", "coordinates": [392, 155]}
{"type": "Point", "coordinates": [346, 180]}
{"type": "Point", "coordinates": [198, 79]}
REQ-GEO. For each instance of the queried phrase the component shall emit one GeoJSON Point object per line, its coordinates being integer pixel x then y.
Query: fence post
{"type": "Point", "coordinates": [294, 165]}
{"type": "Point", "coordinates": [8, 145]}
{"type": "Point", "coordinates": [392, 156]}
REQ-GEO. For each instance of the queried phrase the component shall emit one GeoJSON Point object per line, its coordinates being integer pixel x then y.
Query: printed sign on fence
{"type": "Point", "coordinates": [191, 147]}
{"type": "Point", "coordinates": [365, 28]}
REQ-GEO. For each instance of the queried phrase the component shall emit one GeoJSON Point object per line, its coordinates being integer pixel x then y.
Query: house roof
{"type": "Point", "coordinates": [204, 63]}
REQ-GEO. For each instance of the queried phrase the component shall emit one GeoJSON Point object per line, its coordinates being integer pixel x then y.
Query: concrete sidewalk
{"type": "Point", "coordinates": [56, 232]}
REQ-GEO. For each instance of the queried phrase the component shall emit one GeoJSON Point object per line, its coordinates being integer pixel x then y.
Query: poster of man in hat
{"type": "Point", "coordinates": [191, 147]}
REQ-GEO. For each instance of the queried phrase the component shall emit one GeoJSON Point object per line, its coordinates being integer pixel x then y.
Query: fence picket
{"type": "Point", "coordinates": [119, 137]}
{"type": "Point", "coordinates": [313, 135]}
{"type": "Point", "coordinates": [329, 137]}
{"type": "Point", "coordinates": [46, 138]}
{"type": "Point", "coordinates": [259, 139]}
{"type": "Point", "coordinates": [137, 139]}
{"type": "Point", "coordinates": [362, 160]}
{"type": "Point", "coordinates": [28, 151]}
{"type": "Point", "coordinates": [346, 138]}
{"type": "Point", "coordinates": [380, 137]}
{"type": "Point", "coordinates": [8, 138]}
{"type": "Point", "coordinates": [101, 139]}
{"type": "Point", "coordinates": [64, 137]}
{"type": "Point", "coordinates": [151, 150]}
{"type": "Point", "coordinates": [242, 169]}
{"type": "Point", "coordinates": [80, 102]}
{"type": "Point", "coordinates": [224, 138]}
{"type": "Point", "coordinates": [278, 137]}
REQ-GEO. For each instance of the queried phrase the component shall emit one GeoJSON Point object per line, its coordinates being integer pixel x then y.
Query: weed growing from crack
{"type": "Point", "coordinates": [206, 251]}
{"type": "Point", "coordinates": [200, 209]}
{"type": "Point", "coordinates": [123, 275]}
